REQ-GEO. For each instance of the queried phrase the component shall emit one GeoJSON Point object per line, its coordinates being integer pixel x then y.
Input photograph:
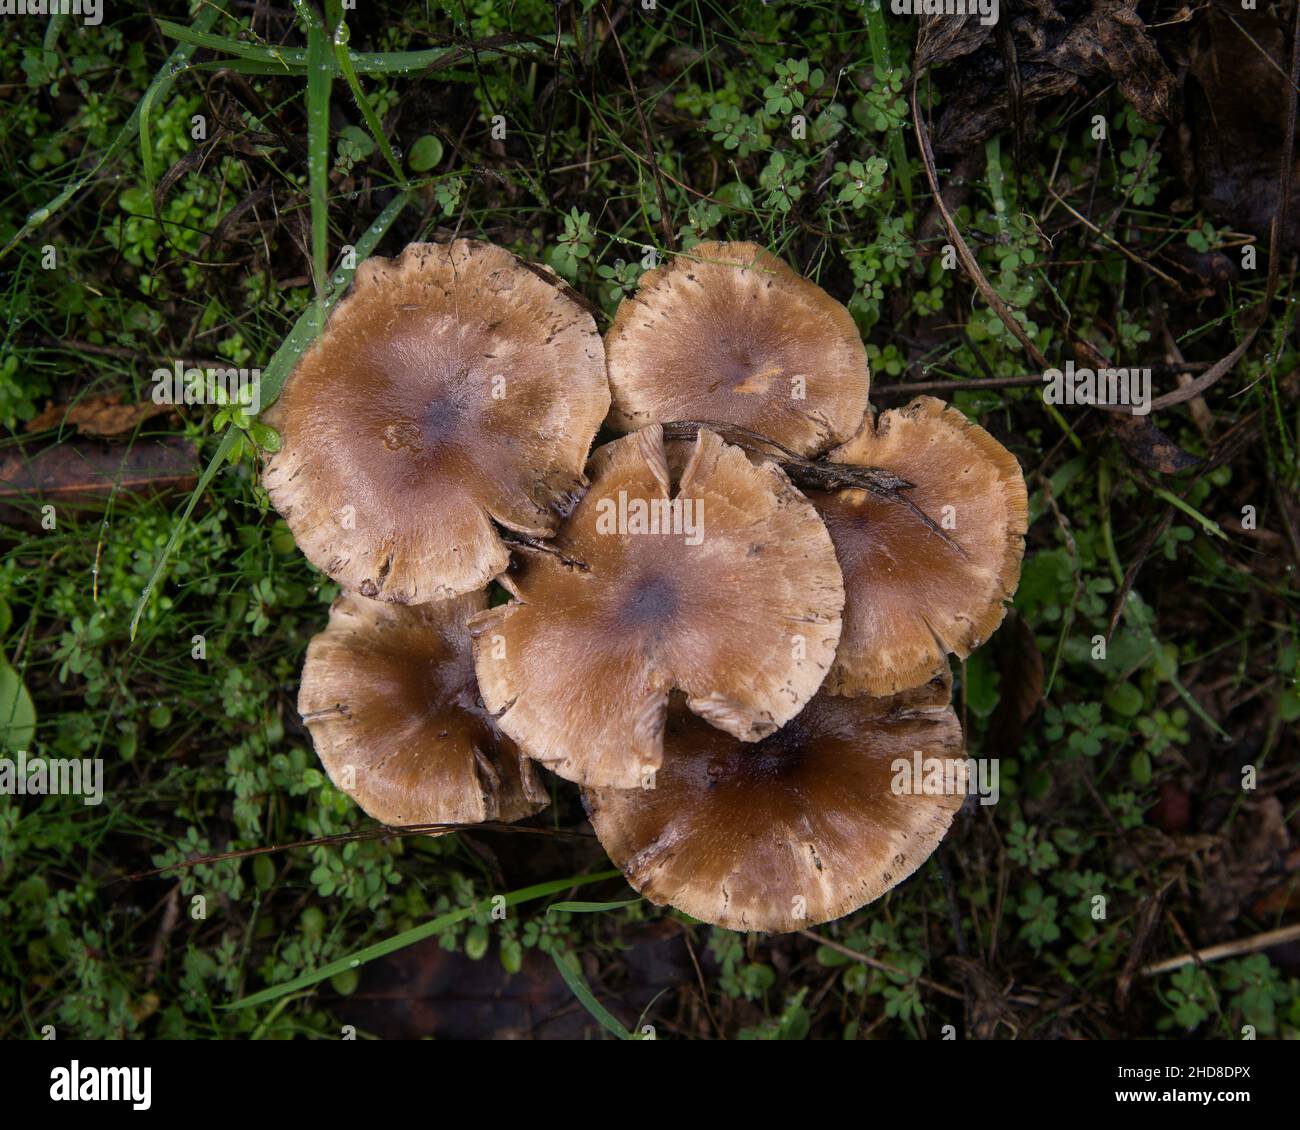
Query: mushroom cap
{"type": "Point", "coordinates": [389, 696]}
{"type": "Point", "coordinates": [732, 334]}
{"type": "Point", "coordinates": [452, 388]}
{"type": "Point", "coordinates": [745, 621]}
{"type": "Point", "coordinates": [911, 596]}
{"type": "Point", "coordinates": [804, 827]}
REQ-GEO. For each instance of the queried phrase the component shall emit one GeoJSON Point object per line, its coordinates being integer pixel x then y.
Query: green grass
{"type": "Point", "coordinates": [1126, 781]}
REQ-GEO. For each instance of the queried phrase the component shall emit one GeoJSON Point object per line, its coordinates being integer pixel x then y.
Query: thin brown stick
{"type": "Point", "coordinates": [670, 237]}
{"type": "Point", "coordinates": [816, 474]}
{"type": "Point", "coordinates": [1253, 944]}
{"type": "Point", "coordinates": [955, 385]}
{"type": "Point", "coordinates": [975, 383]}
{"type": "Point", "coordinates": [540, 545]}
{"type": "Point", "coordinates": [1109, 239]}
{"type": "Point", "coordinates": [883, 966]}
{"type": "Point", "coordinates": [699, 976]}
{"type": "Point", "coordinates": [968, 262]}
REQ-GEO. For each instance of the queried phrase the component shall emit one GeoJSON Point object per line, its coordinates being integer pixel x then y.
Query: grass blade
{"type": "Point", "coordinates": [295, 60]}
{"type": "Point", "coordinates": [148, 158]}
{"type": "Point", "coordinates": [344, 60]}
{"type": "Point", "coordinates": [286, 59]}
{"type": "Point", "coordinates": [588, 907]}
{"type": "Point", "coordinates": [567, 964]}
{"type": "Point", "coordinates": [416, 934]}
{"type": "Point", "coordinates": [320, 78]}
{"type": "Point", "coordinates": [879, 37]}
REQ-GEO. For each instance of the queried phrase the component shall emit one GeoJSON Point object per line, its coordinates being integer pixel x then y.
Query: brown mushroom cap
{"type": "Point", "coordinates": [389, 696]}
{"type": "Point", "coordinates": [452, 388]}
{"type": "Point", "coordinates": [804, 827]}
{"type": "Point", "coordinates": [912, 594]}
{"type": "Point", "coordinates": [745, 622]}
{"type": "Point", "coordinates": [730, 333]}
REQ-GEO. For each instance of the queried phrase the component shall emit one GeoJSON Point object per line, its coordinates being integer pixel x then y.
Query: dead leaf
{"type": "Point", "coordinates": [1258, 844]}
{"type": "Point", "coordinates": [424, 990]}
{"type": "Point", "coordinates": [1057, 53]}
{"type": "Point", "coordinates": [102, 417]}
{"type": "Point", "coordinates": [1148, 446]}
{"type": "Point", "coordinates": [1234, 115]}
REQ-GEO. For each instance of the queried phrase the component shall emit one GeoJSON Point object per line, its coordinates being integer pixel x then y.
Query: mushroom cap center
{"type": "Point", "coordinates": [652, 598]}
{"type": "Point", "coordinates": [742, 368]}
{"type": "Point", "coordinates": [433, 409]}
{"type": "Point", "coordinates": [442, 419]}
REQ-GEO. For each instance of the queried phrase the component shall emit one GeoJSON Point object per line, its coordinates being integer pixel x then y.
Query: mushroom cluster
{"type": "Point", "coordinates": [729, 624]}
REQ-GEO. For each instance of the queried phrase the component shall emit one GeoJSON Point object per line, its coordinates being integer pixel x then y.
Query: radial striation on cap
{"type": "Point", "coordinates": [734, 599]}
{"type": "Point", "coordinates": [804, 827]}
{"type": "Point", "coordinates": [389, 695]}
{"type": "Point", "coordinates": [730, 333]}
{"type": "Point", "coordinates": [915, 592]}
{"type": "Point", "coordinates": [453, 389]}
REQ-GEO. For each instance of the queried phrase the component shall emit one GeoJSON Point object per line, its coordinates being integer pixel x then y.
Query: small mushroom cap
{"type": "Point", "coordinates": [731, 333]}
{"type": "Point", "coordinates": [912, 595]}
{"type": "Point", "coordinates": [804, 827]}
{"type": "Point", "coordinates": [389, 696]}
{"type": "Point", "coordinates": [452, 388]}
{"type": "Point", "coordinates": [739, 608]}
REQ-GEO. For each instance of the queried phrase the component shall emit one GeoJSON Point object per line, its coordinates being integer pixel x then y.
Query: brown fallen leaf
{"type": "Point", "coordinates": [1173, 809]}
{"type": "Point", "coordinates": [102, 416]}
{"type": "Point", "coordinates": [1256, 849]}
{"type": "Point", "coordinates": [1234, 117]}
{"type": "Point", "coordinates": [1057, 52]}
{"type": "Point", "coordinates": [1148, 446]}
{"type": "Point", "coordinates": [425, 991]}
{"type": "Point", "coordinates": [1284, 897]}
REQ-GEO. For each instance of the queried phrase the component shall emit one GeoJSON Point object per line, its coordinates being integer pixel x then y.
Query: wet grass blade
{"type": "Point", "coordinates": [879, 38]}
{"type": "Point", "coordinates": [296, 59]}
{"type": "Point", "coordinates": [148, 158]}
{"type": "Point", "coordinates": [320, 78]}
{"type": "Point", "coordinates": [286, 59]}
{"type": "Point", "coordinates": [588, 907]}
{"type": "Point", "coordinates": [344, 59]}
{"type": "Point", "coordinates": [567, 964]}
{"type": "Point", "coordinates": [416, 934]}
{"type": "Point", "coordinates": [1209, 525]}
